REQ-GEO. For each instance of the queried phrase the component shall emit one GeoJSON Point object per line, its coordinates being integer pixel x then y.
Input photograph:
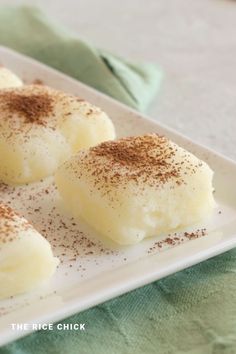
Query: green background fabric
{"type": "Point", "coordinates": [29, 31]}
{"type": "Point", "coordinates": [193, 311]}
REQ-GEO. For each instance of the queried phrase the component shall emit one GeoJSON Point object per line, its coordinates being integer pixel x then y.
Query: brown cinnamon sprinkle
{"type": "Point", "coordinates": [6, 212]}
{"type": "Point", "coordinates": [35, 104]}
{"type": "Point", "coordinates": [148, 159]}
{"type": "Point", "coordinates": [133, 150]}
{"type": "Point", "coordinates": [38, 82]}
{"type": "Point", "coordinates": [32, 107]}
{"type": "Point", "coordinates": [10, 224]}
{"type": "Point", "coordinates": [175, 239]}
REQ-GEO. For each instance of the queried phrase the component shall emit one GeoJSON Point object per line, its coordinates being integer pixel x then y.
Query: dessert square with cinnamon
{"type": "Point", "coordinates": [136, 187]}
{"type": "Point", "coordinates": [41, 127]}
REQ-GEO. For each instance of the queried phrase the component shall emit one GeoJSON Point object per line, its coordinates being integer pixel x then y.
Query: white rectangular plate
{"type": "Point", "coordinates": [94, 271]}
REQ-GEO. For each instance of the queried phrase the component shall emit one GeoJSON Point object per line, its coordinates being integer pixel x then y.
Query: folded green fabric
{"type": "Point", "coordinates": [32, 33]}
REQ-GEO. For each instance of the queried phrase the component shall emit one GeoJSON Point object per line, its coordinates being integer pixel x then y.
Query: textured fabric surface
{"type": "Point", "coordinates": [192, 312]}
{"type": "Point", "coordinates": [33, 34]}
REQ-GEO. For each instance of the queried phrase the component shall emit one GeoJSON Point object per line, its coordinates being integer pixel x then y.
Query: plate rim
{"type": "Point", "coordinates": [72, 306]}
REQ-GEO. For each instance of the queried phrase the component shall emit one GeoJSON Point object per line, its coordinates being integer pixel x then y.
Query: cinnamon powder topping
{"type": "Point", "coordinates": [135, 151]}
{"type": "Point", "coordinates": [23, 107]}
{"type": "Point", "coordinates": [32, 107]}
{"type": "Point", "coordinates": [6, 212]}
{"type": "Point", "coordinates": [149, 159]}
{"type": "Point", "coordinates": [177, 239]}
{"type": "Point", "coordinates": [10, 224]}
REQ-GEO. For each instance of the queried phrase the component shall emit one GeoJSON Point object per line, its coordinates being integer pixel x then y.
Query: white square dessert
{"type": "Point", "coordinates": [136, 187]}
{"type": "Point", "coordinates": [26, 258]}
{"type": "Point", "coordinates": [41, 127]}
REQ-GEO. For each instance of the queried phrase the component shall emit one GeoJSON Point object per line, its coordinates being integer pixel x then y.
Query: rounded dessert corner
{"type": "Point", "coordinates": [41, 127]}
{"type": "Point", "coordinates": [27, 260]}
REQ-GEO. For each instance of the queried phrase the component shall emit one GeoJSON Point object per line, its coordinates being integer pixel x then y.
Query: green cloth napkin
{"type": "Point", "coordinates": [29, 31]}
{"type": "Point", "coordinates": [191, 312]}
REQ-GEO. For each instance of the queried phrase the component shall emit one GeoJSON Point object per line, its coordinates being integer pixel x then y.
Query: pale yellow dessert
{"type": "Point", "coordinates": [8, 78]}
{"type": "Point", "coordinates": [26, 258]}
{"type": "Point", "coordinates": [136, 187]}
{"type": "Point", "coordinates": [41, 127]}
